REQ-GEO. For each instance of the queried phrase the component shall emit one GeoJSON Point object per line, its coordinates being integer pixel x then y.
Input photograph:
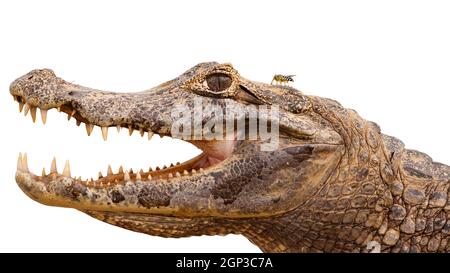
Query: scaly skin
{"type": "Point", "coordinates": [334, 184]}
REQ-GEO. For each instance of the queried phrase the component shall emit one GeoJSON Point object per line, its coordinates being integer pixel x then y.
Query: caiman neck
{"type": "Point", "coordinates": [418, 220]}
{"type": "Point", "coordinates": [399, 203]}
{"type": "Point", "coordinates": [345, 213]}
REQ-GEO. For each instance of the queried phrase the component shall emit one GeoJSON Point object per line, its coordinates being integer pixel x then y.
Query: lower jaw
{"type": "Point", "coordinates": [214, 152]}
{"type": "Point", "coordinates": [122, 196]}
{"type": "Point", "coordinates": [51, 194]}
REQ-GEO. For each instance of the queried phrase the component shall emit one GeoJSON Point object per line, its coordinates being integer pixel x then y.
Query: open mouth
{"type": "Point", "coordinates": [213, 153]}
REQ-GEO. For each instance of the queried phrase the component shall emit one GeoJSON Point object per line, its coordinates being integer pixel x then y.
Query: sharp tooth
{"type": "Point", "coordinates": [131, 170]}
{"type": "Point", "coordinates": [126, 176]}
{"type": "Point", "coordinates": [15, 98]}
{"type": "Point", "coordinates": [33, 113]}
{"type": "Point", "coordinates": [105, 133]}
{"type": "Point", "coordinates": [157, 168]}
{"type": "Point", "coordinates": [43, 172]}
{"type": "Point", "coordinates": [101, 184]}
{"type": "Point", "coordinates": [170, 175]}
{"type": "Point", "coordinates": [26, 108]}
{"type": "Point", "coordinates": [178, 174]}
{"type": "Point", "coordinates": [110, 172]}
{"type": "Point", "coordinates": [118, 128]}
{"type": "Point", "coordinates": [25, 162]}
{"type": "Point", "coordinates": [141, 131]}
{"type": "Point", "coordinates": [69, 116]}
{"type": "Point", "coordinates": [21, 104]}
{"type": "Point", "coordinates": [53, 166]}
{"type": "Point", "coordinates": [88, 182]}
{"type": "Point", "coordinates": [185, 172]}
{"type": "Point", "coordinates": [194, 171]}
{"type": "Point", "coordinates": [178, 163]}
{"type": "Point", "coordinates": [150, 135]}
{"type": "Point", "coordinates": [201, 169]}
{"type": "Point", "coordinates": [66, 171]}
{"type": "Point", "coordinates": [89, 128]}
{"type": "Point", "coordinates": [58, 108]}
{"type": "Point", "coordinates": [100, 175]}
{"type": "Point", "coordinates": [19, 162]}
{"type": "Point", "coordinates": [171, 165]}
{"type": "Point", "coordinates": [150, 169]}
{"type": "Point", "coordinates": [138, 176]}
{"type": "Point", "coordinates": [164, 167]}
{"type": "Point", "coordinates": [78, 122]}
{"type": "Point", "coordinates": [130, 130]}
{"type": "Point", "coordinates": [120, 169]}
{"type": "Point", "coordinates": [109, 184]}
{"type": "Point", "coordinates": [43, 115]}
{"type": "Point", "coordinates": [149, 177]}
{"type": "Point", "coordinates": [141, 172]}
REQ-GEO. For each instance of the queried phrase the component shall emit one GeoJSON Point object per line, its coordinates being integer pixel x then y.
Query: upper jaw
{"type": "Point", "coordinates": [41, 89]}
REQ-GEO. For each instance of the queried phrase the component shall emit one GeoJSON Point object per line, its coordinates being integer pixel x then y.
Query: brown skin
{"type": "Point", "coordinates": [334, 184]}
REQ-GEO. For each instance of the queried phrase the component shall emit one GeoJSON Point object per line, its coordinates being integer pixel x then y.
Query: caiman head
{"type": "Point", "coordinates": [262, 187]}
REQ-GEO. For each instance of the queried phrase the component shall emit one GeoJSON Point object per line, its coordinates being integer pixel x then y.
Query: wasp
{"type": "Point", "coordinates": [283, 79]}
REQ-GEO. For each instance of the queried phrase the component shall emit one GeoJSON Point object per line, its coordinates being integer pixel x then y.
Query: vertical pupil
{"type": "Point", "coordinates": [218, 82]}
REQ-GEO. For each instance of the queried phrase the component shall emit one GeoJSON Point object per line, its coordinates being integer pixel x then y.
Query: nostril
{"type": "Point", "coordinates": [30, 77]}
{"type": "Point", "coordinates": [75, 93]}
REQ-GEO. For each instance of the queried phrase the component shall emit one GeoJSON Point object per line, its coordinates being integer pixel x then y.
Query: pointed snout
{"type": "Point", "coordinates": [32, 80]}
{"type": "Point", "coordinates": [43, 89]}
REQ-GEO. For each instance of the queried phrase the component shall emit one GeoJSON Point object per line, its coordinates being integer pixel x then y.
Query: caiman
{"type": "Point", "coordinates": [333, 183]}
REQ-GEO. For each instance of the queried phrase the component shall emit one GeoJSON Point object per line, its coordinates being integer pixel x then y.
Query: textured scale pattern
{"type": "Point", "coordinates": [335, 183]}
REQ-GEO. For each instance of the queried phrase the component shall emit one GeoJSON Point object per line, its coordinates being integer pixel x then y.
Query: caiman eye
{"type": "Point", "coordinates": [218, 82]}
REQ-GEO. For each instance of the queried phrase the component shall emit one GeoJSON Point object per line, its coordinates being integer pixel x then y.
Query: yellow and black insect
{"type": "Point", "coordinates": [282, 79]}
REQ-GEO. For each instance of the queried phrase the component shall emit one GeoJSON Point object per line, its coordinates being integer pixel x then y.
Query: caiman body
{"type": "Point", "coordinates": [335, 183]}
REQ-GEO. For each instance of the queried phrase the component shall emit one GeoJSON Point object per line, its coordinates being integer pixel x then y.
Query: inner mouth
{"type": "Point", "coordinates": [213, 153]}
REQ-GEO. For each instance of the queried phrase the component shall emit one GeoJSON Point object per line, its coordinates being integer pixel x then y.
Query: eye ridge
{"type": "Point", "coordinates": [218, 82]}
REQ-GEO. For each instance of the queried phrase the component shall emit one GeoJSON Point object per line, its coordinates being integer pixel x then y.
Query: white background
{"type": "Point", "coordinates": [389, 60]}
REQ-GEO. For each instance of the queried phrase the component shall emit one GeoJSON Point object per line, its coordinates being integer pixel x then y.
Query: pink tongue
{"type": "Point", "coordinates": [216, 150]}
